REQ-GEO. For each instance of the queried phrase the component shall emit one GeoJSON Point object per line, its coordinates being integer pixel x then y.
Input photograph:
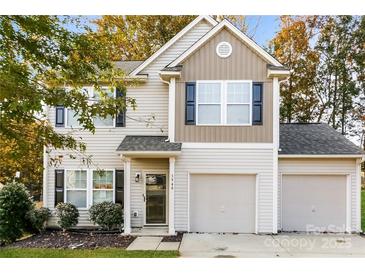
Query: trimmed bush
{"type": "Point", "coordinates": [15, 202]}
{"type": "Point", "coordinates": [36, 219]}
{"type": "Point", "coordinates": [107, 215]}
{"type": "Point", "coordinates": [68, 215]}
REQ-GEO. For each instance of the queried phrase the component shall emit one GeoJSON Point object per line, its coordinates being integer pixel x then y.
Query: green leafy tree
{"type": "Point", "coordinates": [336, 75]}
{"type": "Point", "coordinates": [136, 37]}
{"type": "Point", "coordinates": [39, 56]}
{"type": "Point", "coordinates": [292, 47]}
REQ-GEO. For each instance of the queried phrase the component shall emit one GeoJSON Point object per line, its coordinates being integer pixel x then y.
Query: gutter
{"type": "Point", "coordinates": [348, 156]}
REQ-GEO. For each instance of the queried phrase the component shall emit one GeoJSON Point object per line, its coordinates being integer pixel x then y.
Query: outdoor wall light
{"type": "Point", "coordinates": [137, 177]}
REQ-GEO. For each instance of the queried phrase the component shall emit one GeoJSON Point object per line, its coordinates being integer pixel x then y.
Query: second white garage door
{"type": "Point", "coordinates": [314, 202]}
{"type": "Point", "coordinates": [222, 203]}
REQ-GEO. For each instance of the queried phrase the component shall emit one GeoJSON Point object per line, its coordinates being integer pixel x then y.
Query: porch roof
{"type": "Point", "coordinates": [137, 144]}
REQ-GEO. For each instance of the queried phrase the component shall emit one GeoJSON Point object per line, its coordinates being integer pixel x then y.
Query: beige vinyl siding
{"type": "Point", "coordinates": [137, 189]}
{"type": "Point", "coordinates": [152, 101]}
{"type": "Point", "coordinates": [322, 166]}
{"type": "Point", "coordinates": [205, 64]}
{"type": "Point", "coordinates": [228, 161]}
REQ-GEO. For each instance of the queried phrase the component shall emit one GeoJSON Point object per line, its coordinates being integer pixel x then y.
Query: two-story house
{"type": "Point", "coordinates": [215, 157]}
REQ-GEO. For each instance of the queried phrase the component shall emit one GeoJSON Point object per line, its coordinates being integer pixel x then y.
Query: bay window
{"type": "Point", "coordinates": [224, 102]}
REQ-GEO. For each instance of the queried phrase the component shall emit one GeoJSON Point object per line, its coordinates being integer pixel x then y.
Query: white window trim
{"type": "Point", "coordinates": [89, 186]}
{"type": "Point", "coordinates": [92, 186]}
{"type": "Point", "coordinates": [223, 102]}
{"type": "Point", "coordinates": [75, 189]}
{"type": "Point", "coordinates": [91, 98]}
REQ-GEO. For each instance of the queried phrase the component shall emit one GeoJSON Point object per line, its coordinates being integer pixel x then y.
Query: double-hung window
{"type": "Point", "coordinates": [209, 102]}
{"type": "Point", "coordinates": [224, 102]}
{"type": "Point", "coordinates": [94, 96]}
{"type": "Point", "coordinates": [102, 182]}
{"type": "Point", "coordinates": [76, 188]}
{"type": "Point", "coordinates": [97, 95]}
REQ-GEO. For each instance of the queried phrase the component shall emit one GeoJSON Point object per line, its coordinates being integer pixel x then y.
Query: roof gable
{"type": "Point", "coordinates": [244, 38]}
{"type": "Point", "coordinates": [172, 41]}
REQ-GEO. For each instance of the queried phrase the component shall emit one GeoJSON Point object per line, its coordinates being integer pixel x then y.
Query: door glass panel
{"type": "Point", "coordinates": [155, 198]}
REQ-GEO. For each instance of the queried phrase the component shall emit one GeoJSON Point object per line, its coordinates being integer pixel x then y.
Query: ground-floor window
{"type": "Point", "coordinates": [102, 186]}
{"type": "Point", "coordinates": [76, 188]}
{"type": "Point", "coordinates": [85, 188]}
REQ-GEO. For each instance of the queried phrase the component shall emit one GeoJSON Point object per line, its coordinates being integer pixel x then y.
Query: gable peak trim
{"type": "Point", "coordinates": [172, 41]}
{"type": "Point", "coordinates": [225, 23]}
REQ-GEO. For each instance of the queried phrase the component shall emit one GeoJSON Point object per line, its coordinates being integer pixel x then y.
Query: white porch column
{"type": "Point", "coordinates": [172, 195]}
{"type": "Point", "coordinates": [171, 129]}
{"type": "Point", "coordinates": [127, 195]}
{"type": "Point", "coordinates": [276, 125]}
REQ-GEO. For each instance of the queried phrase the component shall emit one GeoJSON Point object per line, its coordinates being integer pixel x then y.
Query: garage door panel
{"type": "Point", "coordinates": [313, 201]}
{"type": "Point", "coordinates": [222, 203]}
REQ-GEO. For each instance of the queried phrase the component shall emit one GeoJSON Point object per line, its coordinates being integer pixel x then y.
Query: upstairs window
{"type": "Point", "coordinates": [224, 102]}
{"type": "Point", "coordinates": [94, 96]}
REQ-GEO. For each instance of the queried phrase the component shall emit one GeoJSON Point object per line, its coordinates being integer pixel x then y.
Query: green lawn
{"type": "Point", "coordinates": [83, 253]}
{"type": "Point", "coordinates": [363, 210]}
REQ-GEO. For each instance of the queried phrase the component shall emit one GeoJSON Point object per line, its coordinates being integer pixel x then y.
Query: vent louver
{"type": "Point", "coordinates": [224, 49]}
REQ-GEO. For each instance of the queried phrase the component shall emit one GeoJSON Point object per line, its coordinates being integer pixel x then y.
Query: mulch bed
{"type": "Point", "coordinates": [175, 238]}
{"type": "Point", "coordinates": [59, 239]}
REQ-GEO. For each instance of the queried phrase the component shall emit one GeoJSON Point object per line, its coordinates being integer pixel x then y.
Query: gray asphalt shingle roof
{"type": "Point", "coordinates": [148, 143]}
{"type": "Point", "coordinates": [128, 66]}
{"type": "Point", "coordinates": [314, 139]}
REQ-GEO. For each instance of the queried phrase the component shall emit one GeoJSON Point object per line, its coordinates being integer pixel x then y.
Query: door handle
{"type": "Point", "coordinates": [144, 198]}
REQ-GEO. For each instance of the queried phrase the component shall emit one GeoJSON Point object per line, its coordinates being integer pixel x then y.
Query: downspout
{"type": "Point", "coordinates": [45, 168]}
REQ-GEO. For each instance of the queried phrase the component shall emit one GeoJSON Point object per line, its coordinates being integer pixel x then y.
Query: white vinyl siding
{"type": "Point", "coordinates": [233, 160]}
{"type": "Point", "coordinates": [323, 166]}
{"type": "Point", "coordinates": [149, 118]}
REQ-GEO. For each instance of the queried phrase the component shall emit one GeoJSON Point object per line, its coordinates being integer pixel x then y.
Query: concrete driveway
{"type": "Point", "coordinates": [269, 246]}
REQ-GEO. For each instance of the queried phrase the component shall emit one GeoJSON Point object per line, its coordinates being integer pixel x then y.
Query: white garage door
{"type": "Point", "coordinates": [222, 203]}
{"type": "Point", "coordinates": [314, 202]}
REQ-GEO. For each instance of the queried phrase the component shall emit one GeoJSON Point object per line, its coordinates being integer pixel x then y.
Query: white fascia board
{"type": "Point", "coordinates": [237, 32]}
{"type": "Point", "coordinates": [339, 156]}
{"type": "Point", "coordinates": [229, 145]}
{"type": "Point", "coordinates": [277, 73]}
{"type": "Point", "coordinates": [172, 41]}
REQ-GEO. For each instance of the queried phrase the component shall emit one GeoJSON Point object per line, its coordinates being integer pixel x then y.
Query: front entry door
{"type": "Point", "coordinates": [156, 200]}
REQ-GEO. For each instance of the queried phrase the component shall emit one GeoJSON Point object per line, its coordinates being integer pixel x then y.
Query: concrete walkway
{"type": "Point", "coordinates": [152, 243]}
{"type": "Point", "coordinates": [268, 246]}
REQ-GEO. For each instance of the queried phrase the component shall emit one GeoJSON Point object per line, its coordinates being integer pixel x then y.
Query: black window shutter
{"type": "Point", "coordinates": [190, 103]}
{"type": "Point", "coordinates": [60, 116]}
{"type": "Point", "coordinates": [120, 119]}
{"type": "Point", "coordinates": [59, 186]}
{"type": "Point", "coordinates": [119, 186]}
{"type": "Point", "coordinates": [257, 103]}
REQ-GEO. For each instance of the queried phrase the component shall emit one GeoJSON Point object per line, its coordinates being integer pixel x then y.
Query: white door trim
{"type": "Point", "coordinates": [348, 193]}
{"type": "Point", "coordinates": [155, 171]}
{"type": "Point", "coordinates": [209, 172]}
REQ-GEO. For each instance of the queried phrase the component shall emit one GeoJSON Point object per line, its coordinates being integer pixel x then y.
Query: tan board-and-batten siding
{"type": "Point", "coordinates": [205, 64]}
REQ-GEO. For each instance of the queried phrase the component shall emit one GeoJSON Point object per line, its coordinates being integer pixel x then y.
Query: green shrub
{"type": "Point", "coordinates": [36, 219]}
{"type": "Point", "coordinates": [68, 215]}
{"type": "Point", "coordinates": [15, 202]}
{"type": "Point", "coordinates": [107, 215]}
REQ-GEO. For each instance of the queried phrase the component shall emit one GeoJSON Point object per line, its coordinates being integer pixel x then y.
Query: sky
{"type": "Point", "coordinates": [260, 28]}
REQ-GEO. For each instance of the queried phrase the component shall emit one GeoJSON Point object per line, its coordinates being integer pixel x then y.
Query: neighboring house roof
{"type": "Point", "coordinates": [148, 143]}
{"type": "Point", "coordinates": [172, 41]}
{"type": "Point", "coordinates": [225, 23]}
{"type": "Point", "coordinates": [128, 66]}
{"type": "Point", "coordinates": [314, 139]}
